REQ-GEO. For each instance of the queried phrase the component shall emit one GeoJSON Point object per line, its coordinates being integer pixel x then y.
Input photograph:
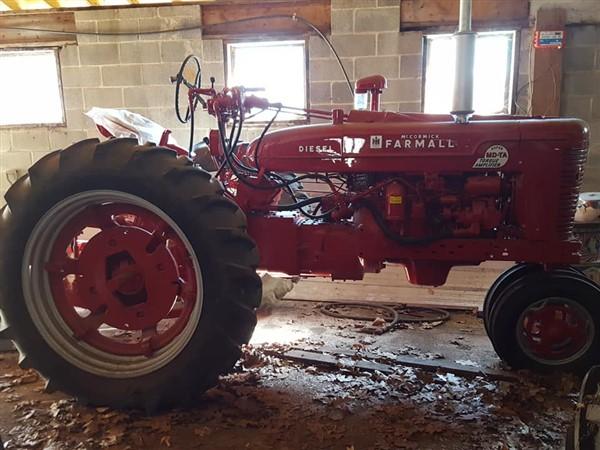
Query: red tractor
{"type": "Point", "coordinates": [128, 273]}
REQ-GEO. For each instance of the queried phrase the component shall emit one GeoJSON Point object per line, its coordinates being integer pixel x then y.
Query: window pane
{"type": "Point", "coordinates": [493, 71]}
{"type": "Point", "coordinates": [30, 88]}
{"type": "Point", "coordinates": [277, 66]}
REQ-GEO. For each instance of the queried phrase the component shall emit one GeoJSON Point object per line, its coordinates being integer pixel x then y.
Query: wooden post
{"type": "Point", "coordinates": [546, 75]}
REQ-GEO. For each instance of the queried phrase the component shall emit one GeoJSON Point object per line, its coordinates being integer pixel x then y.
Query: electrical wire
{"type": "Point", "coordinates": [292, 17]}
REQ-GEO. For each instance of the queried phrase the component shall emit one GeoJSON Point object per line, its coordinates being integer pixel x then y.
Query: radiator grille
{"type": "Point", "coordinates": [571, 178]}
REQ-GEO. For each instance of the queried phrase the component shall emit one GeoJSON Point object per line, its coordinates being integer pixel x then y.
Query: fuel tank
{"type": "Point", "coordinates": [389, 142]}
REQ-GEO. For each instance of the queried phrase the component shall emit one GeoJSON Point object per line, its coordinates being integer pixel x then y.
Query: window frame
{"type": "Point", "coordinates": [512, 76]}
{"type": "Point", "coordinates": [263, 38]}
{"type": "Point", "coordinates": [56, 51]}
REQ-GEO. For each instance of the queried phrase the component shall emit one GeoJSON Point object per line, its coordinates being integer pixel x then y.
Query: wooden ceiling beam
{"type": "Point", "coordinates": [12, 4]}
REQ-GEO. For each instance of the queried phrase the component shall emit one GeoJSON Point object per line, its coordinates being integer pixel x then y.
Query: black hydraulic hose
{"type": "Point", "coordinates": [262, 135]}
{"type": "Point", "coordinates": [390, 234]}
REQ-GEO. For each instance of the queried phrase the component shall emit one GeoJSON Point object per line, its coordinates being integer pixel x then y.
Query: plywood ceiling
{"type": "Point", "coordinates": [29, 5]}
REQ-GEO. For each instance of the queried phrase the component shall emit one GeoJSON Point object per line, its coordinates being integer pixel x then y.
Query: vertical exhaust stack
{"type": "Point", "coordinates": [462, 105]}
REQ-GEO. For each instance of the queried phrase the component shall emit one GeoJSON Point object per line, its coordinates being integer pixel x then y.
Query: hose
{"type": "Point", "coordinates": [393, 314]}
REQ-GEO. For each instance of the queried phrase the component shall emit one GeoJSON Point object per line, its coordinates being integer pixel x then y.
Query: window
{"type": "Point", "coordinates": [30, 87]}
{"type": "Point", "coordinates": [277, 66]}
{"type": "Point", "coordinates": [493, 73]}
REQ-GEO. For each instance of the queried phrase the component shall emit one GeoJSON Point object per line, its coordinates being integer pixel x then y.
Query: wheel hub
{"type": "Point", "coordinates": [555, 330]}
{"type": "Point", "coordinates": [119, 273]}
{"type": "Point", "coordinates": [129, 289]}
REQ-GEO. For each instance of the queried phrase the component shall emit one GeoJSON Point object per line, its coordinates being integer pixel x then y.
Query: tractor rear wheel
{"type": "Point", "coordinates": [547, 321]}
{"type": "Point", "coordinates": [126, 277]}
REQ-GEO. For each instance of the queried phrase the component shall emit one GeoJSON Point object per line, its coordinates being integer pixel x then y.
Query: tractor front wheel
{"type": "Point", "coordinates": [126, 277]}
{"type": "Point", "coordinates": [547, 321]}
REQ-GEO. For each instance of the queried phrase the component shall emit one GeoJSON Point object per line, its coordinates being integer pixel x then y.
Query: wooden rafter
{"type": "Point", "coordinates": [12, 4]}
{"type": "Point", "coordinates": [53, 3]}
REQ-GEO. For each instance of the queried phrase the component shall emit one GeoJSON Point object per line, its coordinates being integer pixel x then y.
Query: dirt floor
{"type": "Point", "coordinates": [272, 402]}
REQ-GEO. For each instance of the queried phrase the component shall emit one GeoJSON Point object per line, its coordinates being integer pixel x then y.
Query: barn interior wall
{"type": "Point", "coordinates": [133, 72]}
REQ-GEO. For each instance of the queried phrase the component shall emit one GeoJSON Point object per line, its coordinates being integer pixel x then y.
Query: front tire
{"type": "Point", "coordinates": [126, 277]}
{"type": "Point", "coordinates": [547, 321]}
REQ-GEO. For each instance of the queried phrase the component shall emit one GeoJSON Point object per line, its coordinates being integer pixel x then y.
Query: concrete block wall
{"type": "Point", "coordinates": [129, 72]}
{"type": "Point", "coordinates": [365, 34]}
{"type": "Point", "coordinates": [580, 96]}
{"type": "Point", "coordinates": [133, 72]}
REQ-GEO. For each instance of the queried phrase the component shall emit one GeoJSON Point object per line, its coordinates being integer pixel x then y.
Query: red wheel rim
{"type": "Point", "coordinates": [555, 330]}
{"type": "Point", "coordinates": [122, 279]}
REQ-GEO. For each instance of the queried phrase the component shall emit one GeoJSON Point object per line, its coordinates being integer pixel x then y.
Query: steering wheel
{"type": "Point", "coordinates": [180, 79]}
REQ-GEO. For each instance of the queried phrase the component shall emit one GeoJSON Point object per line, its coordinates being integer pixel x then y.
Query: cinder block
{"type": "Point", "coordinates": [342, 21]}
{"type": "Point", "coordinates": [32, 139]}
{"type": "Point", "coordinates": [591, 178]}
{"type": "Point", "coordinates": [409, 107]}
{"type": "Point", "coordinates": [122, 75]}
{"type": "Point", "coordinates": [329, 70]}
{"type": "Point", "coordinates": [159, 73]}
{"type": "Point", "coordinates": [73, 98]}
{"type": "Point", "coordinates": [377, 19]}
{"type": "Point", "coordinates": [212, 50]}
{"type": "Point", "coordinates": [579, 83]}
{"type": "Point", "coordinates": [179, 11]}
{"type": "Point", "coordinates": [15, 160]}
{"type": "Point", "coordinates": [154, 24]}
{"type": "Point", "coordinates": [96, 14]}
{"type": "Point", "coordinates": [388, 3]}
{"type": "Point", "coordinates": [320, 92]}
{"type": "Point", "coordinates": [341, 93]}
{"type": "Point", "coordinates": [105, 97]}
{"type": "Point", "coordinates": [81, 76]}
{"type": "Point", "coordinates": [355, 44]}
{"type": "Point", "coordinates": [86, 27]}
{"type": "Point", "coordinates": [69, 56]}
{"type": "Point", "coordinates": [175, 51]}
{"type": "Point", "coordinates": [410, 42]}
{"type": "Point", "coordinates": [216, 70]}
{"type": "Point", "coordinates": [62, 138]}
{"type": "Point", "coordinates": [583, 35]}
{"type": "Point", "coordinates": [121, 29]}
{"type": "Point", "coordinates": [411, 66]}
{"type": "Point", "coordinates": [140, 52]}
{"type": "Point", "coordinates": [579, 106]}
{"type": "Point", "coordinates": [351, 4]}
{"type": "Point", "coordinates": [5, 142]}
{"type": "Point", "coordinates": [136, 13]}
{"type": "Point", "coordinates": [99, 54]}
{"type": "Point", "coordinates": [76, 119]}
{"type": "Point", "coordinates": [142, 97]}
{"type": "Point", "coordinates": [388, 66]}
{"type": "Point", "coordinates": [403, 90]}
{"type": "Point", "coordinates": [595, 136]}
{"type": "Point", "coordinates": [596, 109]}
{"type": "Point", "coordinates": [579, 58]}
{"type": "Point", "coordinates": [317, 48]}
